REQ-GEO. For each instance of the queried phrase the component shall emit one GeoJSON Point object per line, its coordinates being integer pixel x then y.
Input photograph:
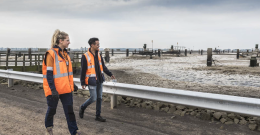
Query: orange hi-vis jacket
{"type": "Point", "coordinates": [91, 72]}
{"type": "Point", "coordinates": [63, 77]}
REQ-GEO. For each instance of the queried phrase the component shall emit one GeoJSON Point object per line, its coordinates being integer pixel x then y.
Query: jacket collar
{"type": "Point", "coordinates": [58, 50]}
{"type": "Point", "coordinates": [91, 52]}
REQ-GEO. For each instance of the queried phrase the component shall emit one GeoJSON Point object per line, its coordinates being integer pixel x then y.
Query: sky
{"type": "Point", "coordinates": [195, 24]}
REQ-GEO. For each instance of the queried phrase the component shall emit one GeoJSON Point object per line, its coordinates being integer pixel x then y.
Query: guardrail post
{"type": "Point", "coordinates": [113, 101]}
{"type": "Point", "coordinates": [10, 81]}
{"type": "Point", "coordinates": [15, 60]}
{"type": "Point", "coordinates": [237, 53]}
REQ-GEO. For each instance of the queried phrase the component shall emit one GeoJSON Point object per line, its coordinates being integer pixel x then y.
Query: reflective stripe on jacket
{"type": "Point", "coordinates": [63, 77]}
{"type": "Point", "coordinates": [91, 72]}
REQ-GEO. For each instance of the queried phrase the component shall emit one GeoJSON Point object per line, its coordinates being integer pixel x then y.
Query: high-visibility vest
{"type": "Point", "coordinates": [91, 72]}
{"type": "Point", "coordinates": [63, 77]}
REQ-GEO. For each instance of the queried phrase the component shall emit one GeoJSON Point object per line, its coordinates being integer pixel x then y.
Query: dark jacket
{"type": "Point", "coordinates": [99, 75]}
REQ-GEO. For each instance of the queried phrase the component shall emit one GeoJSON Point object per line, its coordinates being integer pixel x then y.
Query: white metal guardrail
{"type": "Point", "coordinates": [241, 105]}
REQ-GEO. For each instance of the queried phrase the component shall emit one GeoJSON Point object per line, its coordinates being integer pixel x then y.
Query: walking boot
{"type": "Point", "coordinates": [49, 131]}
{"type": "Point", "coordinates": [78, 132]}
{"type": "Point", "coordinates": [99, 118]}
{"type": "Point", "coordinates": [81, 113]}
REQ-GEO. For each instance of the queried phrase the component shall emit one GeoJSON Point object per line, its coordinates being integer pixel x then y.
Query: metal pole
{"type": "Point", "coordinates": [209, 57]}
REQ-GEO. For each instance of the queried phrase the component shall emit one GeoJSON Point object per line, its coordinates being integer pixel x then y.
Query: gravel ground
{"type": "Point", "coordinates": [22, 112]}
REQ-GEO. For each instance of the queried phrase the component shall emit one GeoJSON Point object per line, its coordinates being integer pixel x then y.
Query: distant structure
{"type": "Point", "coordinates": [256, 48]}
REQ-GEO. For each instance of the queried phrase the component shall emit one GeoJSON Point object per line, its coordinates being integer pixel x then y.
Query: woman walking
{"type": "Point", "coordinates": [58, 82]}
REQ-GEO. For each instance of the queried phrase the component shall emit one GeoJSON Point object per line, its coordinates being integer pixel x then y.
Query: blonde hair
{"type": "Point", "coordinates": [57, 36]}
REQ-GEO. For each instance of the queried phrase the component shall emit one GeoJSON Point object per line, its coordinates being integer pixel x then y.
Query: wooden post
{"type": "Point", "coordinates": [29, 52]}
{"type": "Point", "coordinates": [10, 81]}
{"type": "Point", "coordinates": [127, 52]}
{"type": "Point", "coordinates": [209, 57]}
{"type": "Point", "coordinates": [23, 62]}
{"type": "Point", "coordinates": [185, 52]}
{"type": "Point", "coordinates": [113, 101]}
{"type": "Point", "coordinates": [237, 53]}
{"type": "Point", "coordinates": [15, 64]}
{"type": "Point", "coordinates": [159, 52]}
{"type": "Point", "coordinates": [35, 57]}
{"type": "Point", "coordinates": [106, 55]}
{"type": "Point", "coordinates": [19, 55]}
{"type": "Point", "coordinates": [201, 51]}
{"type": "Point", "coordinates": [112, 52]}
{"type": "Point", "coordinates": [7, 54]}
{"type": "Point", "coordinates": [30, 60]}
{"type": "Point", "coordinates": [38, 59]}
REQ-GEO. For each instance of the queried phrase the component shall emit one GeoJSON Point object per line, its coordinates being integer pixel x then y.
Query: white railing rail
{"type": "Point", "coordinates": [241, 105]}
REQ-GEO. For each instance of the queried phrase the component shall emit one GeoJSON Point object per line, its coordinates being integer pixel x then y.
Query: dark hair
{"type": "Point", "coordinates": [92, 41]}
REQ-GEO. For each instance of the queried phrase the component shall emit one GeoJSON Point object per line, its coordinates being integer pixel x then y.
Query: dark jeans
{"type": "Point", "coordinates": [95, 95]}
{"type": "Point", "coordinates": [67, 102]}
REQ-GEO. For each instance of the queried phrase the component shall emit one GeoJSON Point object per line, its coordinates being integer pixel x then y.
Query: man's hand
{"type": "Point", "coordinates": [83, 86]}
{"type": "Point", "coordinates": [113, 77]}
{"type": "Point", "coordinates": [55, 94]}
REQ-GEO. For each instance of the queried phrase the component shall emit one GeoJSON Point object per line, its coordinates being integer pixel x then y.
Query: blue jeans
{"type": "Point", "coordinates": [95, 95]}
{"type": "Point", "coordinates": [67, 102]}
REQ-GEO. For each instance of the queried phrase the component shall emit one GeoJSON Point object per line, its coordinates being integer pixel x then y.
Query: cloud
{"type": "Point", "coordinates": [131, 23]}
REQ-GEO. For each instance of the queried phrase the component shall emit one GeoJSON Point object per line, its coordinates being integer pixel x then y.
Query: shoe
{"type": "Point", "coordinates": [99, 118]}
{"type": "Point", "coordinates": [81, 113]}
{"type": "Point", "coordinates": [49, 131]}
{"type": "Point", "coordinates": [78, 132]}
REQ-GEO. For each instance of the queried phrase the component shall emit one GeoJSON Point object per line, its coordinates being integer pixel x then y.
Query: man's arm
{"type": "Point", "coordinates": [105, 68]}
{"type": "Point", "coordinates": [84, 67]}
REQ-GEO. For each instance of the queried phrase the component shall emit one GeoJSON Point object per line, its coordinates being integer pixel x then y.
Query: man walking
{"type": "Point", "coordinates": [92, 75]}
